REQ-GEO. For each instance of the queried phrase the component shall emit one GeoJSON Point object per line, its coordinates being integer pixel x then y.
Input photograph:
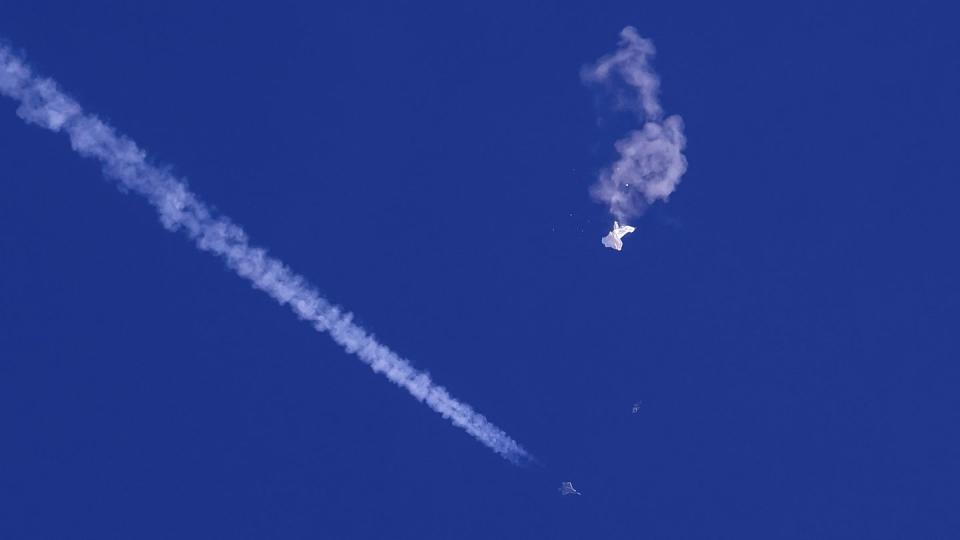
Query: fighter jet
{"type": "Point", "coordinates": [566, 488]}
{"type": "Point", "coordinates": [612, 239]}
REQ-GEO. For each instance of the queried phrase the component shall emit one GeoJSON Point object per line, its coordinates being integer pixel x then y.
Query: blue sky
{"type": "Point", "coordinates": [788, 318]}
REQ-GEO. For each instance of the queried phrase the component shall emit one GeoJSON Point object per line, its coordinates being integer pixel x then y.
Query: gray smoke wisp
{"type": "Point", "coordinates": [43, 104]}
{"type": "Point", "coordinates": [651, 161]}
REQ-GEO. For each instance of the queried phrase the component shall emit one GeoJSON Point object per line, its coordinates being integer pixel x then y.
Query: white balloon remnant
{"type": "Point", "coordinates": [613, 238]}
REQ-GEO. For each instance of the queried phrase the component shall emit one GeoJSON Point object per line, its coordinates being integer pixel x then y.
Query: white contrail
{"type": "Point", "coordinates": [42, 103]}
{"type": "Point", "coordinates": [651, 161]}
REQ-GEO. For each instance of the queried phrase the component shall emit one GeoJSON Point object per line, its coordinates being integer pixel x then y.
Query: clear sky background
{"type": "Point", "coordinates": [788, 318]}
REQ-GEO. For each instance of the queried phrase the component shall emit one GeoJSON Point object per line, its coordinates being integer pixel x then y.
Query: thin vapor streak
{"type": "Point", "coordinates": [42, 103]}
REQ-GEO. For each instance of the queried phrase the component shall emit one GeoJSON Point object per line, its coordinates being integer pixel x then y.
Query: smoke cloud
{"type": "Point", "coordinates": [43, 104]}
{"type": "Point", "coordinates": [651, 160]}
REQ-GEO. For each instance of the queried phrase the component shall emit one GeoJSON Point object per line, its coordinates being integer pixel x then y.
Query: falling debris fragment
{"type": "Point", "coordinates": [566, 488]}
{"type": "Point", "coordinates": [613, 238]}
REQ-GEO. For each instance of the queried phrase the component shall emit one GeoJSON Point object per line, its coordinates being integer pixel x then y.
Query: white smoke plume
{"type": "Point", "coordinates": [42, 103]}
{"type": "Point", "coordinates": [651, 161]}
